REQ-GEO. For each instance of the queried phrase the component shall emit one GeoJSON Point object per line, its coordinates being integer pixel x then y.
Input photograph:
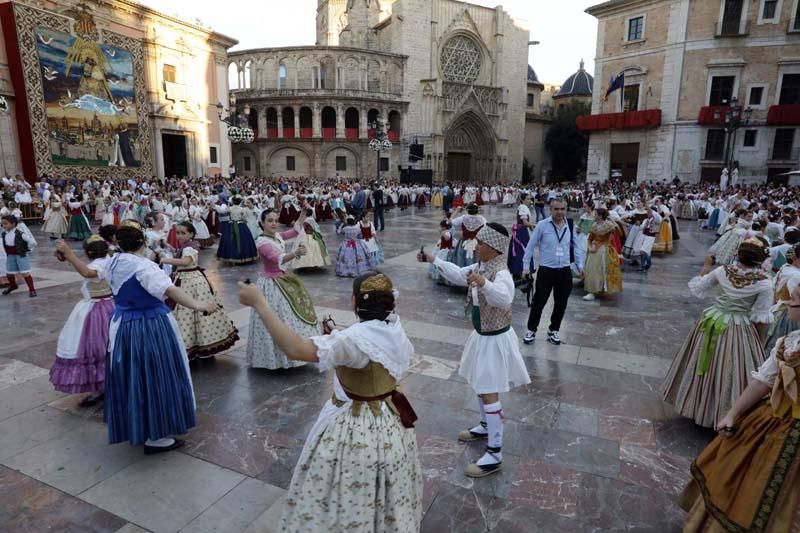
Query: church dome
{"type": "Point", "coordinates": [532, 75]}
{"type": "Point", "coordinates": [579, 84]}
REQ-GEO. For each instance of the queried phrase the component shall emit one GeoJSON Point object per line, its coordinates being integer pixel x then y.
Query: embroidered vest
{"type": "Point", "coordinates": [20, 244]}
{"type": "Point", "coordinates": [486, 319]}
{"type": "Point", "coordinates": [373, 385]}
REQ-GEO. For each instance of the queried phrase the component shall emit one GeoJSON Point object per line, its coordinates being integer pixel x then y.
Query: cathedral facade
{"type": "Point", "coordinates": [444, 74]}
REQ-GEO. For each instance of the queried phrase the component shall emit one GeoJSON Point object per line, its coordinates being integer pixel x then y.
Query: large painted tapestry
{"type": "Point", "coordinates": [85, 90]}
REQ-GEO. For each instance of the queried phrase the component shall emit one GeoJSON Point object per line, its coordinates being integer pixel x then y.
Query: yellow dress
{"type": "Point", "coordinates": [663, 244]}
{"type": "Point", "coordinates": [436, 201]}
{"type": "Point", "coordinates": [602, 274]}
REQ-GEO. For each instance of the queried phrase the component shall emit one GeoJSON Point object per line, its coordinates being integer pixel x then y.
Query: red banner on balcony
{"type": "Point", "coordinates": [351, 134]}
{"type": "Point", "coordinates": [394, 135]}
{"type": "Point", "coordinates": [784, 115]}
{"type": "Point", "coordinates": [306, 133]}
{"type": "Point", "coordinates": [370, 134]}
{"type": "Point", "coordinates": [712, 115]}
{"type": "Point", "coordinates": [272, 133]}
{"type": "Point", "coordinates": [288, 133]}
{"type": "Point", "coordinates": [328, 133]}
{"type": "Point", "coordinates": [629, 120]}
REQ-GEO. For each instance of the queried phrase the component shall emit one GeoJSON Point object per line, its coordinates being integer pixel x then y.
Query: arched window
{"type": "Point", "coordinates": [306, 123]}
{"type": "Point", "coordinates": [351, 123]}
{"type": "Point", "coordinates": [372, 116]}
{"type": "Point", "coordinates": [288, 122]}
{"type": "Point", "coordinates": [252, 119]}
{"type": "Point", "coordinates": [272, 123]}
{"type": "Point", "coordinates": [233, 76]}
{"type": "Point", "coordinates": [328, 123]}
{"type": "Point", "coordinates": [282, 76]}
{"type": "Point", "coordinates": [247, 73]}
{"type": "Point", "coordinates": [395, 123]}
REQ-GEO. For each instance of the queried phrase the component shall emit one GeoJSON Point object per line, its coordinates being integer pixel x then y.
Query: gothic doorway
{"type": "Point", "coordinates": [469, 147]}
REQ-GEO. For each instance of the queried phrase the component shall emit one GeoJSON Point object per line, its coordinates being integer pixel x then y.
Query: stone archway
{"type": "Point", "coordinates": [470, 149]}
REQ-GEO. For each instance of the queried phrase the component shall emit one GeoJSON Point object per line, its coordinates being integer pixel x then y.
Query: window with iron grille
{"type": "Point", "coordinates": [721, 90]}
{"type": "Point", "coordinates": [212, 155]}
{"type": "Point", "coordinates": [636, 29]}
{"type": "Point", "coordinates": [341, 162]}
{"type": "Point", "coordinates": [750, 138]}
{"type": "Point", "coordinates": [784, 141]}
{"type": "Point", "coordinates": [715, 144]}
{"type": "Point", "coordinates": [732, 17]}
{"type": "Point", "coordinates": [384, 164]}
{"type": "Point", "coordinates": [289, 162]}
{"type": "Point", "coordinates": [790, 89]}
{"type": "Point", "coordinates": [770, 9]}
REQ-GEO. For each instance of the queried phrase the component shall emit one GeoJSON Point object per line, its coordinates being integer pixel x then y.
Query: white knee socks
{"type": "Point", "coordinates": [494, 423]}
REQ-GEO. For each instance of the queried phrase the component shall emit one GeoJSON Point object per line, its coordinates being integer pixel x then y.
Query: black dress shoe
{"type": "Point", "coordinates": [9, 290]}
{"type": "Point", "coordinates": [152, 450]}
{"type": "Point", "coordinates": [32, 294]}
{"type": "Point", "coordinates": [91, 400]}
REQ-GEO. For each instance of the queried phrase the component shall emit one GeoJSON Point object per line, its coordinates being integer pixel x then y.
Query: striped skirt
{"type": "Point", "coordinates": [708, 397]}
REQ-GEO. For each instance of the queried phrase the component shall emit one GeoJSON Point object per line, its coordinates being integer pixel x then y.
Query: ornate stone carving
{"type": "Point", "coordinates": [461, 59]}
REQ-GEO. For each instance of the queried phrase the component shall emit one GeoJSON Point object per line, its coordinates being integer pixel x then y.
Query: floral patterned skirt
{"type": "Point", "coordinates": [361, 474]}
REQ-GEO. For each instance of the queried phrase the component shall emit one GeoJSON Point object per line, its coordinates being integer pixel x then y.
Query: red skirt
{"type": "Point", "coordinates": [172, 238]}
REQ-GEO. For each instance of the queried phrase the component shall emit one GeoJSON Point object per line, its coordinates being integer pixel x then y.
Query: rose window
{"type": "Point", "coordinates": [461, 59]}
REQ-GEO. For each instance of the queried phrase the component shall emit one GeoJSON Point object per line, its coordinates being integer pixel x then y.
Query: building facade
{"type": "Point", "coordinates": [685, 63]}
{"type": "Point", "coordinates": [444, 74]}
{"type": "Point", "coordinates": [110, 88]}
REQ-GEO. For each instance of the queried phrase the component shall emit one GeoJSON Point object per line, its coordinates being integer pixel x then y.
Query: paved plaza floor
{"type": "Point", "coordinates": [589, 446]}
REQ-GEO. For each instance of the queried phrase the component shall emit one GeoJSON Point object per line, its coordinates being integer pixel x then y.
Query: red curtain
{"type": "Point", "coordinates": [706, 116]}
{"type": "Point", "coordinates": [272, 133]}
{"type": "Point", "coordinates": [351, 134]}
{"type": "Point", "coordinates": [629, 120]}
{"type": "Point", "coordinates": [328, 133]}
{"type": "Point", "coordinates": [394, 135]}
{"type": "Point", "coordinates": [784, 115]}
{"type": "Point", "coordinates": [288, 133]}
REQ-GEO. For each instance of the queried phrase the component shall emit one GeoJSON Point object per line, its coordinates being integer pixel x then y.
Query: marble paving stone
{"type": "Point", "coordinates": [681, 436]}
{"type": "Point", "coordinates": [583, 453]}
{"type": "Point", "coordinates": [71, 404]}
{"type": "Point", "coordinates": [439, 457]}
{"type": "Point", "coordinates": [496, 485]}
{"type": "Point", "coordinates": [31, 506]}
{"type": "Point", "coordinates": [658, 470]}
{"type": "Point", "coordinates": [434, 367]}
{"type": "Point", "coordinates": [541, 349]}
{"type": "Point", "coordinates": [628, 431]}
{"type": "Point", "coordinates": [131, 528]}
{"type": "Point", "coordinates": [270, 520]}
{"type": "Point", "coordinates": [33, 427]}
{"type": "Point", "coordinates": [164, 492]}
{"type": "Point", "coordinates": [630, 363]}
{"type": "Point", "coordinates": [547, 487]}
{"type": "Point", "coordinates": [457, 509]}
{"type": "Point", "coordinates": [577, 420]}
{"type": "Point", "coordinates": [20, 398]}
{"type": "Point", "coordinates": [76, 460]}
{"type": "Point", "coordinates": [13, 372]}
{"type": "Point", "coordinates": [236, 510]}
{"type": "Point", "coordinates": [248, 450]}
{"type": "Point", "coordinates": [443, 392]}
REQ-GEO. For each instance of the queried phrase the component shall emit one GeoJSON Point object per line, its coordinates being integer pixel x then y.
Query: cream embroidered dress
{"type": "Point", "coordinates": [359, 470]}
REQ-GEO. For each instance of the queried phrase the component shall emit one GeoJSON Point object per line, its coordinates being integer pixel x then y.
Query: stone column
{"type": "Point", "coordinates": [262, 122]}
{"type": "Point", "coordinates": [339, 121]}
{"type": "Point", "coordinates": [280, 121]}
{"type": "Point", "coordinates": [316, 119]}
{"type": "Point", "coordinates": [362, 123]}
{"type": "Point", "coordinates": [296, 120]}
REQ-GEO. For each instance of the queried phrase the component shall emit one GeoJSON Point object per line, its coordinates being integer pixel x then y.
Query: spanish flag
{"type": "Point", "coordinates": [614, 84]}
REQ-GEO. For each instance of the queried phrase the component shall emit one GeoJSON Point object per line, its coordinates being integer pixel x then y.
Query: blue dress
{"type": "Point", "coordinates": [236, 245]}
{"type": "Point", "coordinates": [148, 392]}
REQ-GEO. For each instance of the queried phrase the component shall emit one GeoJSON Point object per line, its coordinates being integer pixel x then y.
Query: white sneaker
{"type": "Point", "coordinates": [553, 338]}
{"type": "Point", "coordinates": [589, 297]}
{"type": "Point", "coordinates": [529, 337]}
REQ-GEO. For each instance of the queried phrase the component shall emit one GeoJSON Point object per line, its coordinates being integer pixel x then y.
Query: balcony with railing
{"type": "Point", "coordinates": [394, 94]}
{"type": "Point", "coordinates": [784, 115]}
{"type": "Point", "coordinates": [627, 120]}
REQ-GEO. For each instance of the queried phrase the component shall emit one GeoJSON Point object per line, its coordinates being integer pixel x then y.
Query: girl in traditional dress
{"type": "Point", "coordinates": [81, 348]}
{"type": "Point", "coordinates": [359, 470]}
{"type": "Point", "coordinates": [197, 215]}
{"type": "Point", "coordinates": [584, 227]}
{"type": "Point", "coordinates": [56, 223]}
{"type": "Point", "coordinates": [748, 478]}
{"type": "Point", "coordinates": [109, 215]}
{"type": "Point", "coordinates": [149, 394]}
{"type": "Point", "coordinates": [353, 258]}
{"type": "Point", "coordinates": [289, 211]}
{"type": "Point", "coordinates": [310, 238]}
{"type": "Point", "coordinates": [436, 200]}
{"type": "Point", "coordinates": [508, 198]}
{"type": "Point", "coordinates": [601, 272]}
{"type": "Point", "coordinates": [663, 244]}
{"type": "Point", "coordinates": [726, 247]}
{"type": "Point", "coordinates": [204, 334]}
{"type": "Point", "coordinates": [713, 366]}
{"type": "Point", "coordinates": [468, 227]}
{"type": "Point", "coordinates": [443, 249]}
{"type": "Point", "coordinates": [237, 246]}
{"type": "Point", "coordinates": [369, 236]}
{"type": "Point", "coordinates": [786, 283]}
{"type": "Point", "coordinates": [285, 293]}
{"type": "Point", "coordinates": [520, 235]}
{"type": "Point", "coordinates": [179, 213]}
{"type": "Point", "coordinates": [79, 228]}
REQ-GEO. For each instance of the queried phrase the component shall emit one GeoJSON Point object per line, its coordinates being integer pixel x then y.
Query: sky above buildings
{"type": "Point", "coordinates": [565, 32]}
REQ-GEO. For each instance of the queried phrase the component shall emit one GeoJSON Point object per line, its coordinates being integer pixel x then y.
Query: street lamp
{"type": "Point", "coordinates": [735, 118]}
{"type": "Point", "coordinates": [380, 143]}
{"type": "Point", "coordinates": [239, 130]}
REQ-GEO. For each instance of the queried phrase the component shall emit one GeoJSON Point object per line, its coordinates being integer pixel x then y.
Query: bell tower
{"type": "Point", "coordinates": [331, 20]}
{"type": "Point", "coordinates": [362, 16]}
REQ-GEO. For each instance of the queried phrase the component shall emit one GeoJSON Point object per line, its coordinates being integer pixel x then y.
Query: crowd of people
{"type": "Point", "coordinates": [147, 310]}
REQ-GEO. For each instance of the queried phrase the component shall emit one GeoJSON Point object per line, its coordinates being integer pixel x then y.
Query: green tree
{"type": "Point", "coordinates": [568, 147]}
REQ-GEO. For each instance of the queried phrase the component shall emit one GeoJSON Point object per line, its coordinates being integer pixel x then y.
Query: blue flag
{"type": "Point", "coordinates": [616, 83]}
